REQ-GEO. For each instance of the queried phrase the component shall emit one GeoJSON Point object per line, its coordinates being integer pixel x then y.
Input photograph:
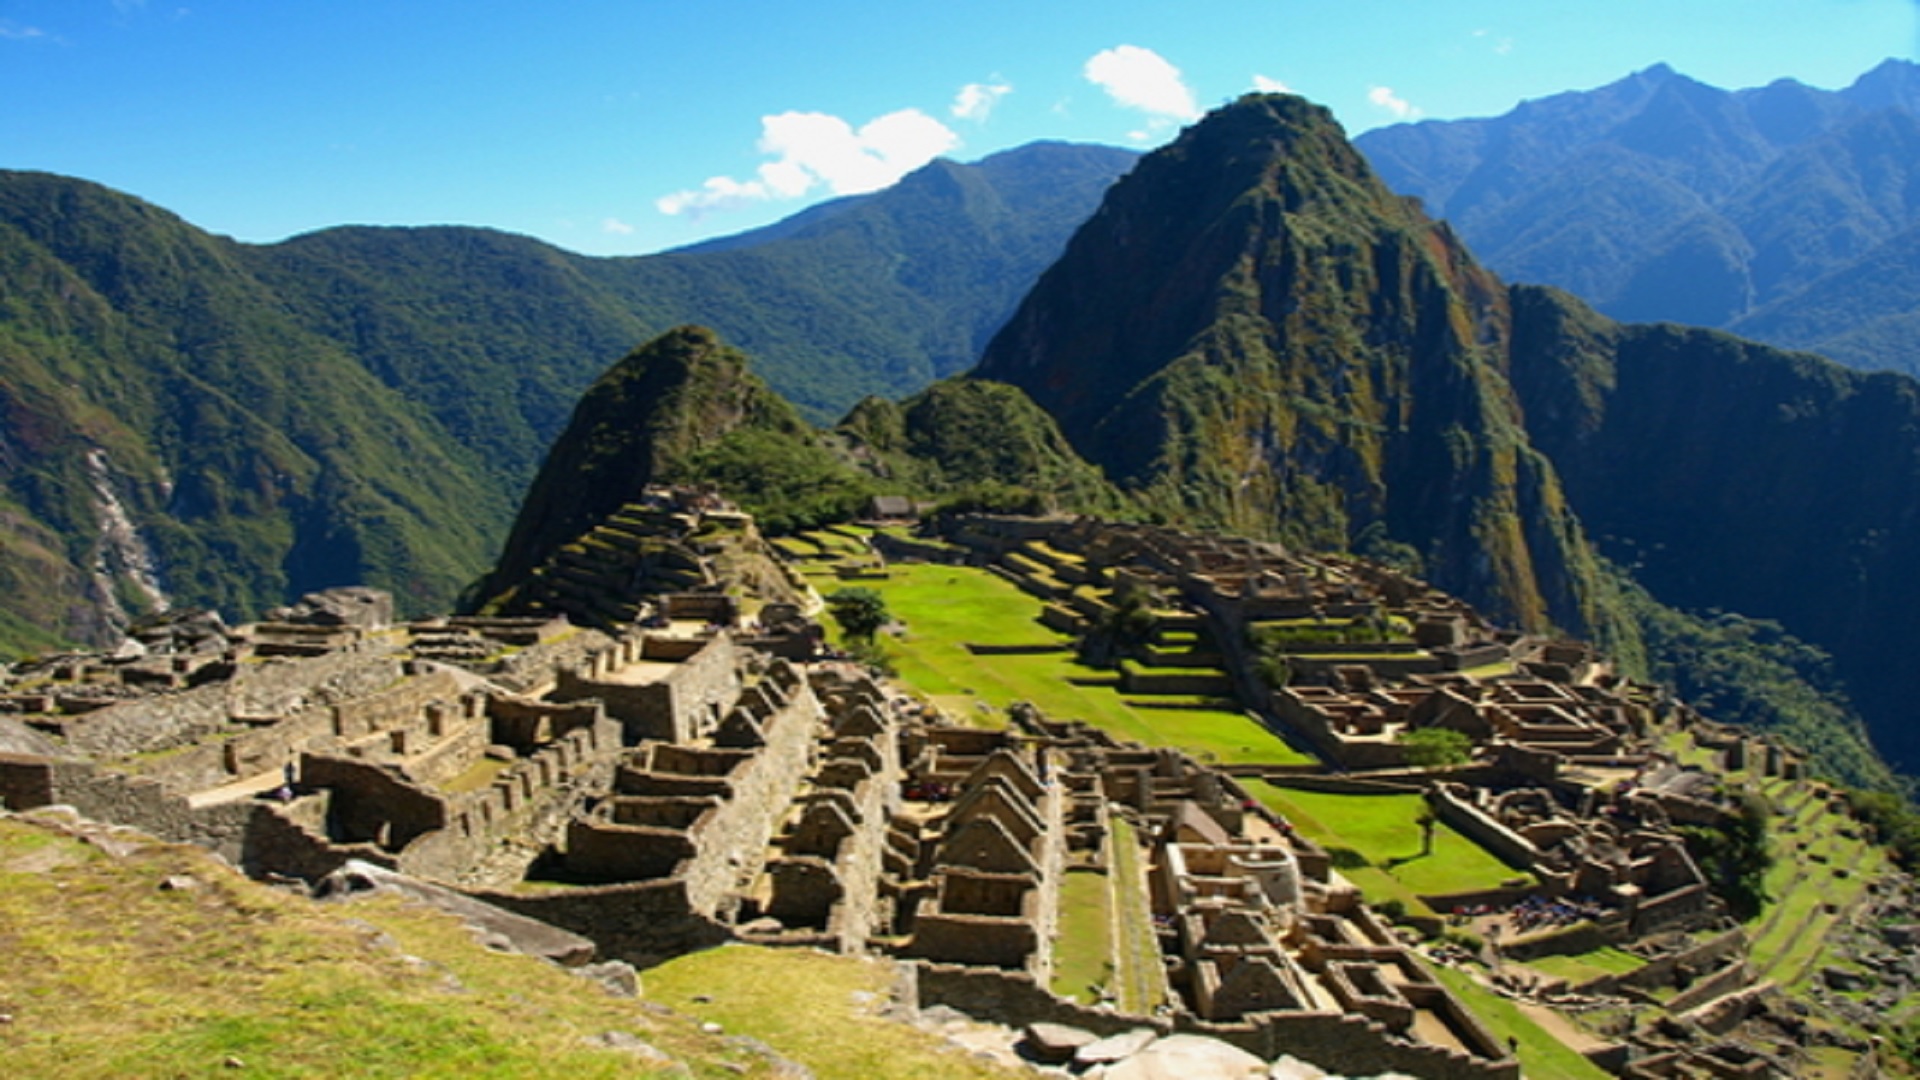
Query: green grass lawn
{"type": "Point", "coordinates": [108, 975]}
{"type": "Point", "coordinates": [1585, 967]}
{"type": "Point", "coordinates": [1384, 830]}
{"type": "Point", "coordinates": [1083, 955]}
{"type": "Point", "coordinates": [820, 1010]}
{"type": "Point", "coordinates": [1541, 1054]}
{"type": "Point", "coordinates": [945, 607]}
{"type": "Point", "coordinates": [1140, 980]}
{"type": "Point", "coordinates": [1791, 930]}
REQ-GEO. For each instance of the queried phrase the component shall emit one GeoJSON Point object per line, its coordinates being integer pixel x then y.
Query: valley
{"type": "Point", "coordinates": [1226, 618]}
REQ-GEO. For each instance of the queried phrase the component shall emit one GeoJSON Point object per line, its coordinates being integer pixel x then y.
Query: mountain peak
{"type": "Point", "coordinates": [1892, 84]}
{"type": "Point", "coordinates": [1255, 333]}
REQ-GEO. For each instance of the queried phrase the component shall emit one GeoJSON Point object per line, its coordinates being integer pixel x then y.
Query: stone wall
{"type": "Point", "coordinates": [26, 781]}
{"type": "Point", "coordinates": [1011, 998]}
{"type": "Point", "coordinates": [396, 706]}
{"type": "Point", "coordinates": [682, 705]}
{"type": "Point", "coordinates": [1470, 821]}
{"type": "Point", "coordinates": [761, 794]}
{"type": "Point", "coordinates": [373, 803]}
{"type": "Point", "coordinates": [150, 724]}
{"type": "Point", "coordinates": [1681, 909]}
{"type": "Point", "coordinates": [1354, 1046]}
{"type": "Point", "coordinates": [527, 799]}
{"type": "Point", "coordinates": [138, 802]}
{"type": "Point", "coordinates": [1659, 971]}
{"type": "Point", "coordinates": [644, 923]}
{"type": "Point", "coordinates": [263, 691]}
{"type": "Point", "coordinates": [1726, 980]}
{"type": "Point", "coordinates": [1350, 1045]}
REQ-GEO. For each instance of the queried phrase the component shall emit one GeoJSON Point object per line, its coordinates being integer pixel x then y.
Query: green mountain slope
{"type": "Point", "coordinates": [170, 432]}
{"type": "Point", "coordinates": [1731, 475]}
{"type": "Point", "coordinates": [688, 409]}
{"type": "Point", "coordinates": [365, 404]}
{"type": "Point", "coordinates": [1254, 333]}
{"type": "Point", "coordinates": [983, 440]}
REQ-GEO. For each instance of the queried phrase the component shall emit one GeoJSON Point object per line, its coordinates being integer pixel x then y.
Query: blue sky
{"type": "Point", "coordinates": [628, 126]}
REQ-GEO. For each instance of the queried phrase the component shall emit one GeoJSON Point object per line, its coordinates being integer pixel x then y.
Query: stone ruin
{"type": "Point", "coordinates": [695, 775]}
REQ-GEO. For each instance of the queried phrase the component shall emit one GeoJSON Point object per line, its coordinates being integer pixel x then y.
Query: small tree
{"type": "Point", "coordinates": [860, 611]}
{"type": "Point", "coordinates": [1126, 624]}
{"type": "Point", "coordinates": [1735, 855]}
{"type": "Point", "coordinates": [1434, 747]}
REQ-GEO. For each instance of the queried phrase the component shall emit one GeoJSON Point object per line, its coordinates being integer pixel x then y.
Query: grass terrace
{"type": "Point", "coordinates": [1140, 979]}
{"type": "Point", "coordinates": [1585, 967]}
{"type": "Point", "coordinates": [1542, 1053]}
{"type": "Point", "coordinates": [944, 608]}
{"type": "Point", "coordinates": [1083, 955]}
{"type": "Point", "coordinates": [1382, 835]}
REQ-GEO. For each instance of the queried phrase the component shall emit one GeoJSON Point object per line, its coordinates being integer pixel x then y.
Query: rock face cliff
{"type": "Point", "coordinates": [1254, 333]}
{"type": "Point", "coordinates": [1735, 476]}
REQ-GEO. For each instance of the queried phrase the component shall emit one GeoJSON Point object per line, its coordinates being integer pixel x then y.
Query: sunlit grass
{"type": "Point", "coordinates": [820, 1010]}
{"type": "Point", "coordinates": [109, 975]}
{"type": "Point", "coordinates": [945, 608]}
{"type": "Point", "coordinates": [1541, 1054]}
{"type": "Point", "coordinates": [1384, 830]}
{"type": "Point", "coordinates": [1083, 955]}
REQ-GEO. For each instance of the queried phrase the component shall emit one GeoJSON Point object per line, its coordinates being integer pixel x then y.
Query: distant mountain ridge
{"type": "Point", "coordinates": [365, 404]}
{"type": "Point", "coordinates": [1658, 198]}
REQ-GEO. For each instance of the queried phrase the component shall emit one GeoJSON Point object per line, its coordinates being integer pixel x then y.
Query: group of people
{"type": "Point", "coordinates": [1533, 913]}
{"type": "Point", "coordinates": [1538, 911]}
{"type": "Point", "coordinates": [928, 791]}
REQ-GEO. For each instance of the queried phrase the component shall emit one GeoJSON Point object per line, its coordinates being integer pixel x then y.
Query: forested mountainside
{"type": "Point", "coordinates": [1253, 332]}
{"type": "Point", "coordinates": [1783, 212]}
{"type": "Point", "coordinates": [195, 421]}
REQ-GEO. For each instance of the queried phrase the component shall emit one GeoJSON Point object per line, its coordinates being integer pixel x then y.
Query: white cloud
{"type": "Point", "coordinates": [811, 149]}
{"type": "Point", "coordinates": [1401, 108]}
{"type": "Point", "coordinates": [1502, 46]}
{"type": "Point", "coordinates": [1270, 86]}
{"type": "Point", "coordinates": [616, 227]}
{"type": "Point", "coordinates": [1142, 79]}
{"type": "Point", "coordinates": [976, 100]}
{"type": "Point", "coordinates": [13, 31]}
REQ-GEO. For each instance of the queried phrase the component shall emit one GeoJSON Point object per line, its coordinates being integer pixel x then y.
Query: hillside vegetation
{"type": "Point", "coordinates": [366, 405]}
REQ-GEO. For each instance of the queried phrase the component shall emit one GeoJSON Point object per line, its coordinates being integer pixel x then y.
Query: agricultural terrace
{"type": "Point", "coordinates": [1376, 843]}
{"type": "Point", "coordinates": [1107, 947]}
{"type": "Point", "coordinates": [944, 609]}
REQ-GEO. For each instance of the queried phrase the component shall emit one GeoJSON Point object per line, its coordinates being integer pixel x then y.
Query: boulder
{"type": "Point", "coordinates": [1114, 1047]}
{"type": "Point", "coordinates": [1055, 1044]}
{"type": "Point", "coordinates": [1190, 1057]}
{"type": "Point", "coordinates": [496, 926]}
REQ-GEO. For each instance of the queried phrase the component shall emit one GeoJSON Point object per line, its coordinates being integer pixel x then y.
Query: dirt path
{"type": "Point", "coordinates": [1575, 1037]}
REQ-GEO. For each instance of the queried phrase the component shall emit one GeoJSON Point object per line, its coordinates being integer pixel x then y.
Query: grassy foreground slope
{"type": "Point", "coordinates": [108, 973]}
